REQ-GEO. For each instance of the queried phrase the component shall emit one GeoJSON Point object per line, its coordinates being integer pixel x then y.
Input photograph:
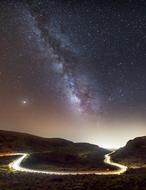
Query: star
{"type": "Point", "coordinates": [24, 102]}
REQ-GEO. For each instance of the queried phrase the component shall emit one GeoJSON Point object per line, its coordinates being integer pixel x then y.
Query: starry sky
{"type": "Point", "coordinates": [74, 69]}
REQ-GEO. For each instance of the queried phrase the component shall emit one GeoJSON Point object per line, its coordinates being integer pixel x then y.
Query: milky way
{"type": "Point", "coordinates": [79, 56]}
{"type": "Point", "coordinates": [72, 61]}
{"type": "Point", "coordinates": [77, 91]}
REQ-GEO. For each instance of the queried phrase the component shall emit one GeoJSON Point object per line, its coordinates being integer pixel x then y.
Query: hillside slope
{"type": "Point", "coordinates": [133, 154]}
{"type": "Point", "coordinates": [53, 153]}
{"type": "Point", "coordinates": [22, 142]}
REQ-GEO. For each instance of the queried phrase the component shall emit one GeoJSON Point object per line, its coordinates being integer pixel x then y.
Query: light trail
{"type": "Point", "coordinates": [16, 166]}
{"type": "Point", "coordinates": [121, 168]}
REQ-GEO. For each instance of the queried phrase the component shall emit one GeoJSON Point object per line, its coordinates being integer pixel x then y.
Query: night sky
{"type": "Point", "coordinates": [74, 69]}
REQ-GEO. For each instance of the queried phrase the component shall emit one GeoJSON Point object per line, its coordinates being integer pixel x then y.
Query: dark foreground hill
{"type": "Point", "coordinates": [22, 142]}
{"type": "Point", "coordinates": [53, 153]}
{"type": "Point", "coordinates": [133, 154]}
{"type": "Point", "coordinates": [77, 156]}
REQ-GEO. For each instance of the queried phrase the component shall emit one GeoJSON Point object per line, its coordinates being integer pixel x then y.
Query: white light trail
{"type": "Point", "coordinates": [121, 168]}
{"type": "Point", "coordinates": [16, 165]}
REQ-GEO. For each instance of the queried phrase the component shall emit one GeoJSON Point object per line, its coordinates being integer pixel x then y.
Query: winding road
{"type": "Point", "coordinates": [16, 166]}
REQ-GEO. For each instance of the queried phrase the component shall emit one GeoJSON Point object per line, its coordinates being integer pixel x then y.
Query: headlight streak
{"type": "Point", "coordinates": [16, 166]}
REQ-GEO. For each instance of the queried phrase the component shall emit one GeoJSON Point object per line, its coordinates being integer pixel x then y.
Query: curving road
{"type": "Point", "coordinates": [16, 166]}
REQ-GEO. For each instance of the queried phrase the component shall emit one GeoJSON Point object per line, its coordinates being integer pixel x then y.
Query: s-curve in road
{"type": "Point", "coordinates": [16, 166]}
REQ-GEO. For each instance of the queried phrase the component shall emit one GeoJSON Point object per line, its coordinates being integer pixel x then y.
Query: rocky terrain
{"type": "Point", "coordinates": [133, 154]}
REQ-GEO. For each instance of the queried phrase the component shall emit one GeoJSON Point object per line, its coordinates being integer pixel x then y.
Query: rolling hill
{"type": "Point", "coordinates": [133, 154]}
{"type": "Point", "coordinates": [22, 142]}
{"type": "Point", "coordinates": [54, 153]}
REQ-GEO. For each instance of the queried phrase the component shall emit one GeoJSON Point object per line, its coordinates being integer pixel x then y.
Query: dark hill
{"type": "Point", "coordinates": [53, 152]}
{"type": "Point", "coordinates": [22, 142]}
{"type": "Point", "coordinates": [134, 153]}
{"type": "Point", "coordinates": [15, 141]}
{"type": "Point", "coordinates": [72, 157]}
